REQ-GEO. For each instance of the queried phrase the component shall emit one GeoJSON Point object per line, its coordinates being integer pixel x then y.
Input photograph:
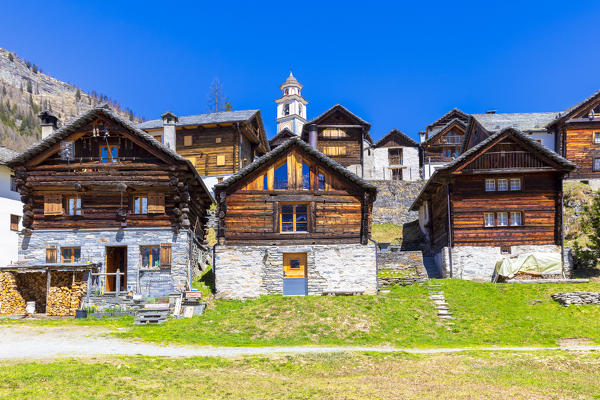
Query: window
{"type": "Point", "coordinates": [140, 205]}
{"type": "Point", "coordinates": [265, 182]}
{"type": "Point", "coordinates": [597, 164]}
{"type": "Point", "coordinates": [597, 137]}
{"type": "Point", "coordinates": [502, 185]}
{"type": "Point", "coordinates": [14, 222]}
{"type": "Point", "coordinates": [73, 205]}
{"type": "Point", "coordinates": [395, 156]}
{"type": "Point", "coordinates": [320, 181]}
{"type": "Point", "coordinates": [334, 150]}
{"type": "Point", "coordinates": [188, 140]}
{"type": "Point", "coordinates": [305, 177]}
{"type": "Point", "coordinates": [300, 109]}
{"type": "Point", "coordinates": [515, 184]}
{"type": "Point", "coordinates": [502, 218]}
{"type": "Point", "coordinates": [490, 185]}
{"type": "Point", "coordinates": [281, 177]}
{"type": "Point", "coordinates": [452, 138]}
{"type": "Point", "coordinates": [333, 133]}
{"type": "Point", "coordinates": [53, 204]}
{"type": "Point", "coordinates": [51, 255]}
{"type": "Point", "coordinates": [489, 219]}
{"type": "Point", "coordinates": [294, 217]}
{"type": "Point", "coordinates": [218, 140]}
{"type": "Point", "coordinates": [286, 109]}
{"type": "Point", "coordinates": [396, 174]}
{"type": "Point", "coordinates": [219, 180]}
{"type": "Point", "coordinates": [220, 161]}
{"type": "Point", "coordinates": [150, 256]}
{"type": "Point", "coordinates": [108, 156]}
{"type": "Point", "coordinates": [70, 254]}
{"type": "Point", "coordinates": [13, 184]}
{"type": "Point", "coordinates": [448, 153]}
{"type": "Point", "coordinates": [516, 218]}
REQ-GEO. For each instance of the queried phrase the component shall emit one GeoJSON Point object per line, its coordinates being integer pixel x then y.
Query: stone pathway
{"type": "Point", "coordinates": [436, 295]}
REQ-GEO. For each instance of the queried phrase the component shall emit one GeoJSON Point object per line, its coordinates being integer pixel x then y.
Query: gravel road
{"type": "Point", "coordinates": [43, 342]}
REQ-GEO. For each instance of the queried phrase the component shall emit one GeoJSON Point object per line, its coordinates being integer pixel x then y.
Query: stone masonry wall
{"type": "Point", "coordinates": [478, 263]}
{"type": "Point", "coordinates": [405, 263]}
{"type": "Point", "coordinates": [393, 201]}
{"type": "Point", "coordinates": [152, 282]}
{"type": "Point", "coordinates": [251, 271]}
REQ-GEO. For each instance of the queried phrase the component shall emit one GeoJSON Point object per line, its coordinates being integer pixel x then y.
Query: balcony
{"type": "Point", "coordinates": [505, 160]}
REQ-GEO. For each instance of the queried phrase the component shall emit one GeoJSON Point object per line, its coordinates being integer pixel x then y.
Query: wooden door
{"type": "Point", "coordinates": [116, 259]}
{"type": "Point", "coordinates": [294, 274]}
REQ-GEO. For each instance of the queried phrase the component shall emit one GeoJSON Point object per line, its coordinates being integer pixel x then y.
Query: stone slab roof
{"type": "Point", "coordinates": [524, 122]}
{"type": "Point", "coordinates": [204, 119]}
{"type": "Point", "coordinates": [6, 155]}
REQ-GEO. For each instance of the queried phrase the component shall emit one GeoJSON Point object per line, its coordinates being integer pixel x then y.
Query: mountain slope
{"type": "Point", "coordinates": [25, 91]}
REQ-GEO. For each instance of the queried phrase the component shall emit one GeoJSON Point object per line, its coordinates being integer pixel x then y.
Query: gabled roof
{"type": "Point", "coordinates": [440, 129]}
{"type": "Point", "coordinates": [338, 108]}
{"type": "Point", "coordinates": [524, 122]}
{"type": "Point", "coordinates": [396, 132]}
{"type": "Point", "coordinates": [204, 119]}
{"type": "Point", "coordinates": [562, 163]}
{"type": "Point", "coordinates": [89, 116]}
{"type": "Point", "coordinates": [273, 155]}
{"type": "Point", "coordinates": [569, 112]}
{"type": "Point", "coordinates": [281, 137]}
{"type": "Point", "coordinates": [455, 113]}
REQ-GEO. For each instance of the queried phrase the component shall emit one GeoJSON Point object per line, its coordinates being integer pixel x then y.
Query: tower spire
{"type": "Point", "coordinates": [291, 106]}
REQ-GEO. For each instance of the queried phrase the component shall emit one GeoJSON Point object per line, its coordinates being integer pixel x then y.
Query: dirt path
{"type": "Point", "coordinates": [42, 342]}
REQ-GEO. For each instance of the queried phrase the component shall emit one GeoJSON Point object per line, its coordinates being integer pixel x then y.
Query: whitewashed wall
{"type": "Point", "coordinates": [377, 164]}
{"type": "Point", "coordinates": [10, 203]}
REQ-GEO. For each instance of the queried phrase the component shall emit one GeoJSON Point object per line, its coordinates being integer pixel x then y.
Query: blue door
{"type": "Point", "coordinates": [294, 274]}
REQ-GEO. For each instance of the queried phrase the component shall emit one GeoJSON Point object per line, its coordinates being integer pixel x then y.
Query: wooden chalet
{"type": "Point", "coordinates": [442, 140]}
{"type": "Point", "coordinates": [501, 197]}
{"type": "Point", "coordinates": [101, 193]}
{"type": "Point", "coordinates": [340, 135]}
{"type": "Point", "coordinates": [394, 157]}
{"type": "Point", "coordinates": [577, 131]}
{"type": "Point", "coordinates": [217, 144]}
{"type": "Point", "coordinates": [294, 222]}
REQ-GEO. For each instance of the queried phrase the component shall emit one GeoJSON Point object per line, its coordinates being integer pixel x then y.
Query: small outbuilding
{"type": "Point", "coordinates": [294, 222]}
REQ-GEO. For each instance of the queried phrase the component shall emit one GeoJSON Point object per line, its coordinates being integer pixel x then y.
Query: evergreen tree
{"type": "Point", "coordinates": [28, 64]}
{"type": "Point", "coordinates": [29, 87]}
{"type": "Point", "coordinates": [11, 57]}
{"type": "Point", "coordinates": [78, 95]}
{"type": "Point", "coordinates": [35, 69]}
{"type": "Point", "coordinates": [228, 106]}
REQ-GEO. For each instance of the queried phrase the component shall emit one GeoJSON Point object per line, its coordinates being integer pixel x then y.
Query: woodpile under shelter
{"type": "Point", "coordinates": [500, 198]}
{"type": "Point", "coordinates": [294, 222]}
{"type": "Point", "coordinates": [99, 192]}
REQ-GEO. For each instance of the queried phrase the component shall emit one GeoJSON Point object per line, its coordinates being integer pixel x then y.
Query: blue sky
{"type": "Point", "coordinates": [395, 64]}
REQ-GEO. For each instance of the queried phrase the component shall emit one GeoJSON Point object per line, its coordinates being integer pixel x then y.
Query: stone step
{"type": "Point", "coordinates": [446, 316]}
{"type": "Point", "coordinates": [444, 312]}
{"type": "Point", "coordinates": [442, 308]}
{"type": "Point", "coordinates": [437, 297]}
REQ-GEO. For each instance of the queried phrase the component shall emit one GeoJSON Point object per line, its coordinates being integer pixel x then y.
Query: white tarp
{"type": "Point", "coordinates": [533, 263]}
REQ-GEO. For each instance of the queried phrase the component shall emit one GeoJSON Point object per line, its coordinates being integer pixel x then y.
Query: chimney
{"type": "Point", "coordinates": [490, 112]}
{"type": "Point", "coordinates": [422, 137]}
{"type": "Point", "coordinates": [312, 135]}
{"type": "Point", "coordinates": [169, 121]}
{"type": "Point", "coordinates": [49, 123]}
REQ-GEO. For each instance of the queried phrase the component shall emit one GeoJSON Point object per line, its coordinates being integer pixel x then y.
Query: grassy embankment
{"type": "Point", "coordinates": [470, 375]}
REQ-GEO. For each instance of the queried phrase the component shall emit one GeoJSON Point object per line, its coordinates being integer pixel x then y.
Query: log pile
{"type": "Point", "coordinates": [66, 293]}
{"type": "Point", "coordinates": [32, 286]}
{"type": "Point", "coordinates": [11, 301]}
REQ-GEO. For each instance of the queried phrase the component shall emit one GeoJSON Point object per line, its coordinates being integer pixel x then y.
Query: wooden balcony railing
{"type": "Point", "coordinates": [506, 160]}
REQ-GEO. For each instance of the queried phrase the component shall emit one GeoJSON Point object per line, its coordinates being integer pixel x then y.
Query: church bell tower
{"type": "Point", "coordinates": [291, 106]}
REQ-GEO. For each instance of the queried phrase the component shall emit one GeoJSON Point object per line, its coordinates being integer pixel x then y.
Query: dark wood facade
{"type": "Point", "coordinates": [328, 205]}
{"type": "Point", "coordinates": [340, 136]}
{"type": "Point", "coordinates": [504, 191]}
{"type": "Point", "coordinates": [577, 133]}
{"type": "Point", "coordinates": [91, 173]}
{"type": "Point", "coordinates": [446, 144]}
{"type": "Point", "coordinates": [221, 148]}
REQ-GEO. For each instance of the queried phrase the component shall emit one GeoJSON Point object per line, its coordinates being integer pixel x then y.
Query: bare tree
{"type": "Point", "coordinates": [217, 101]}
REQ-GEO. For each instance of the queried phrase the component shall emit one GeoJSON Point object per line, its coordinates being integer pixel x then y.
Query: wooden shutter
{"type": "Point", "coordinates": [156, 204]}
{"type": "Point", "coordinates": [51, 254]}
{"type": "Point", "coordinates": [187, 140]}
{"type": "Point", "coordinates": [53, 204]}
{"type": "Point", "coordinates": [165, 254]}
{"type": "Point", "coordinates": [220, 161]}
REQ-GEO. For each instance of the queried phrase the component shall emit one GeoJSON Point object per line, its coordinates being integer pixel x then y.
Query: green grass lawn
{"type": "Point", "coordinates": [486, 314]}
{"type": "Point", "coordinates": [386, 233]}
{"type": "Point", "coordinates": [472, 375]}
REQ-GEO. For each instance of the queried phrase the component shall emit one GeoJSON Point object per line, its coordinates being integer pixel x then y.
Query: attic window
{"type": "Point", "coordinates": [281, 177]}
{"type": "Point", "coordinates": [305, 177]}
{"type": "Point", "coordinates": [218, 140]}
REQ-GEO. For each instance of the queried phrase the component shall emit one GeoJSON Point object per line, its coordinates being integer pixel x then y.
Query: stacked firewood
{"type": "Point", "coordinates": [65, 294]}
{"type": "Point", "coordinates": [11, 301]}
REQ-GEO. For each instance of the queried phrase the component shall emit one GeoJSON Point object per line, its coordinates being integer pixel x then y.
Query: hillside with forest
{"type": "Point", "coordinates": [25, 90]}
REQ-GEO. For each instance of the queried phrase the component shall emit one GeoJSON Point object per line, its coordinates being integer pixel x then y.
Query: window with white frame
{"type": "Point", "coordinates": [597, 137]}
{"type": "Point", "coordinates": [502, 219]}
{"type": "Point", "coordinates": [502, 185]}
{"type": "Point", "coordinates": [489, 219]}
{"type": "Point", "coordinates": [490, 185]}
{"type": "Point", "coordinates": [515, 184]}
{"type": "Point", "coordinates": [597, 164]}
{"type": "Point", "coordinates": [516, 218]}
